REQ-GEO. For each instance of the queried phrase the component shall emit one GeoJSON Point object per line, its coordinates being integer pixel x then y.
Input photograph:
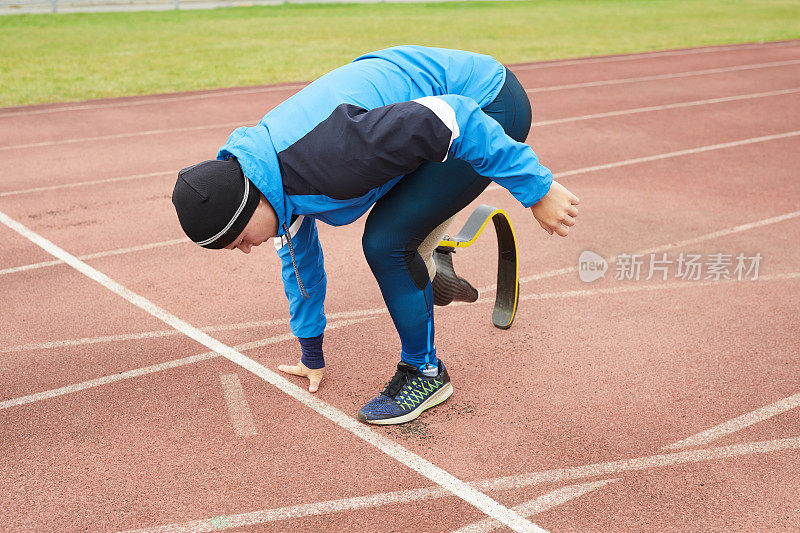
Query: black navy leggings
{"type": "Point", "coordinates": [415, 206]}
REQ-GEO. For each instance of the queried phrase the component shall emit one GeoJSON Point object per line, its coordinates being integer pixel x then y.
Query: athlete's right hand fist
{"type": "Point", "coordinates": [556, 211]}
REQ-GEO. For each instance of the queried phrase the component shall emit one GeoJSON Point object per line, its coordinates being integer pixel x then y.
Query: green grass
{"type": "Point", "coordinates": [63, 57]}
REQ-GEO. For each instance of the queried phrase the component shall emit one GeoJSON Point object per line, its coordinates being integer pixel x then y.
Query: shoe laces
{"type": "Point", "coordinates": [398, 381]}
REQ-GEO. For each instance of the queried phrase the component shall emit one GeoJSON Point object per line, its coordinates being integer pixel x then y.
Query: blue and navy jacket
{"type": "Point", "coordinates": [333, 149]}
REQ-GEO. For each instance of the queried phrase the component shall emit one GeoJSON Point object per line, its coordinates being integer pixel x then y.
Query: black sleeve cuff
{"type": "Point", "coordinates": [312, 352]}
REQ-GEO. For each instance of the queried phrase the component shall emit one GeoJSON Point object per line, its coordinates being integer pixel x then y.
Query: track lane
{"type": "Point", "coordinates": [160, 448]}
{"type": "Point", "coordinates": [752, 203]}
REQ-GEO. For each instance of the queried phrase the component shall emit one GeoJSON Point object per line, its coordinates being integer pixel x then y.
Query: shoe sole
{"type": "Point", "coordinates": [438, 397]}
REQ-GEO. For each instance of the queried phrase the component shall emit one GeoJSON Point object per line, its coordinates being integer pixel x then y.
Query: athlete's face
{"type": "Point", "coordinates": [263, 225]}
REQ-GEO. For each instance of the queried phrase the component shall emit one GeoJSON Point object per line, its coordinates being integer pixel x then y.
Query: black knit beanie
{"type": "Point", "coordinates": [214, 201]}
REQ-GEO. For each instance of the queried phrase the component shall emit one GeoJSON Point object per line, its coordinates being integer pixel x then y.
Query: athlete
{"type": "Point", "coordinates": [414, 133]}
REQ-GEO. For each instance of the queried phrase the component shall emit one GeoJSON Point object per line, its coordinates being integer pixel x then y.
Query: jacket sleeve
{"type": "Point", "coordinates": [480, 141]}
{"type": "Point", "coordinates": [307, 314]}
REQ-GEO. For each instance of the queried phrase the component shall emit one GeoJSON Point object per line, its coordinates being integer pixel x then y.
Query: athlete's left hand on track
{"type": "Point", "coordinates": [314, 375]}
{"type": "Point", "coordinates": [557, 209]}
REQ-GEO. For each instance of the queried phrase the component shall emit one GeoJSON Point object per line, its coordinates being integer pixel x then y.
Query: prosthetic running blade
{"type": "Point", "coordinates": [507, 296]}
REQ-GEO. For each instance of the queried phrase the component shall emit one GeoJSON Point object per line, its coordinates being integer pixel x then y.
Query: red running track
{"type": "Point", "coordinates": [111, 420]}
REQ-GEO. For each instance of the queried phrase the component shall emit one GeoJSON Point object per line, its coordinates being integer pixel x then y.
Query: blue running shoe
{"type": "Point", "coordinates": [407, 395]}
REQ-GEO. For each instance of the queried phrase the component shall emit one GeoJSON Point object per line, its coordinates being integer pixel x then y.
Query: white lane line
{"type": "Point", "coordinates": [297, 511]}
{"type": "Point", "coordinates": [540, 504]}
{"type": "Point", "coordinates": [136, 336]}
{"type": "Point", "coordinates": [500, 483]}
{"type": "Point", "coordinates": [96, 255]}
{"type": "Point", "coordinates": [120, 136]}
{"type": "Point", "coordinates": [159, 100]}
{"type": "Point", "coordinates": [676, 105]}
{"type": "Point", "coordinates": [738, 423]}
{"type": "Point", "coordinates": [658, 287]}
{"type": "Point", "coordinates": [113, 378]}
{"type": "Point", "coordinates": [90, 340]}
{"type": "Point", "coordinates": [723, 232]}
{"type": "Point", "coordinates": [368, 313]}
{"type": "Point", "coordinates": [559, 475]}
{"type": "Point", "coordinates": [648, 55]}
{"type": "Point", "coordinates": [152, 369]}
{"type": "Point", "coordinates": [85, 183]}
{"type": "Point", "coordinates": [32, 266]}
{"type": "Point", "coordinates": [378, 440]}
{"type": "Point", "coordinates": [673, 75]}
{"type": "Point", "coordinates": [238, 408]}
{"type": "Point", "coordinates": [678, 153]}
{"type": "Point", "coordinates": [534, 90]}
{"type": "Point", "coordinates": [668, 155]}
{"type": "Point", "coordinates": [687, 284]}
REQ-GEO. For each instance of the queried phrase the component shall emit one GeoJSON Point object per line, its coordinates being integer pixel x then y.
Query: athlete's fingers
{"type": "Point", "coordinates": [313, 382]}
{"type": "Point", "coordinates": [568, 220]}
{"type": "Point", "coordinates": [574, 200]}
{"type": "Point", "coordinates": [562, 230]}
{"type": "Point", "coordinates": [545, 227]}
{"type": "Point", "coordinates": [572, 210]}
{"type": "Point", "coordinates": [295, 370]}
